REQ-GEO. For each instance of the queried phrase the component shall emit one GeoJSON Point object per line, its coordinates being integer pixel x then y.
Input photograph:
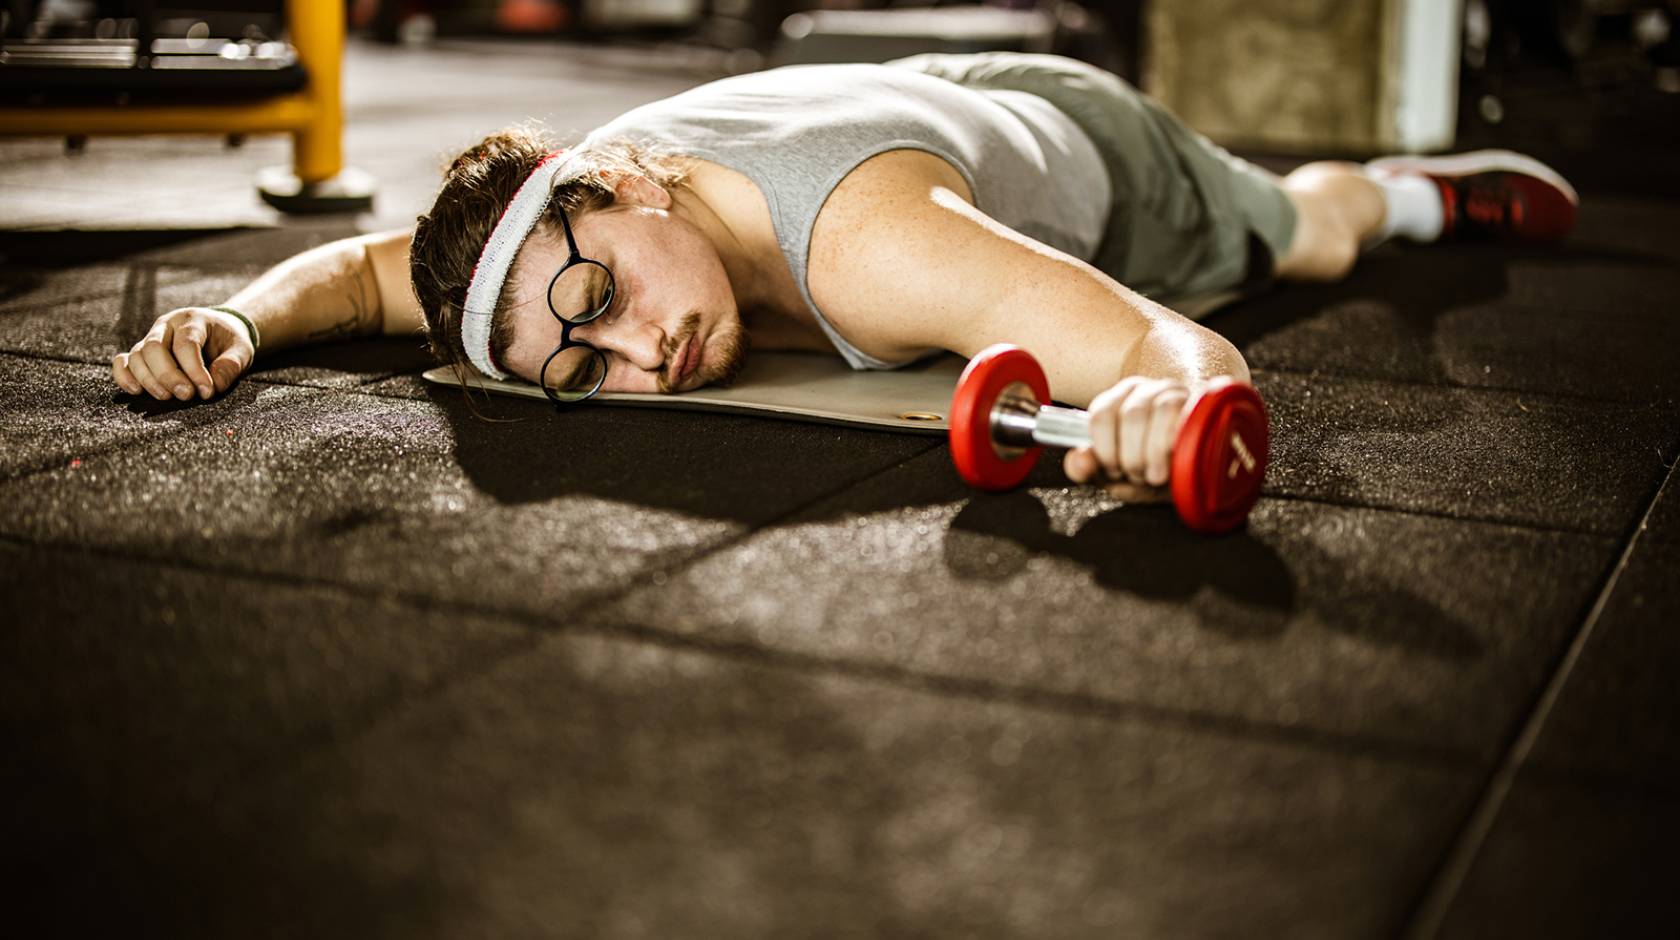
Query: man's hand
{"type": "Point", "coordinates": [1133, 427]}
{"type": "Point", "coordinates": [169, 362]}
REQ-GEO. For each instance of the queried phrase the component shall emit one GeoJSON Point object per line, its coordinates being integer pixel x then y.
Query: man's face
{"type": "Point", "coordinates": [673, 324]}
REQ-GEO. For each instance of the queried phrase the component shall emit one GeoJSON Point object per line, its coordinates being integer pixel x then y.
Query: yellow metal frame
{"type": "Point", "coordinates": [314, 116]}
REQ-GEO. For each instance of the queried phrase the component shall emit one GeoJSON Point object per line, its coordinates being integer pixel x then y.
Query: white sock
{"type": "Point", "coordinates": [1413, 208]}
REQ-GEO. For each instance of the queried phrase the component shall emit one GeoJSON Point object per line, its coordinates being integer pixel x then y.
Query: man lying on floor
{"type": "Point", "coordinates": [884, 212]}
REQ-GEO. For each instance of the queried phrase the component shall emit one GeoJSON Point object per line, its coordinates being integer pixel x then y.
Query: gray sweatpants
{"type": "Point", "coordinates": [1183, 210]}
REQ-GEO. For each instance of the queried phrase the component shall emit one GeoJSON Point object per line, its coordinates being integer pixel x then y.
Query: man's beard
{"type": "Point", "coordinates": [725, 358]}
{"type": "Point", "coordinates": [730, 344]}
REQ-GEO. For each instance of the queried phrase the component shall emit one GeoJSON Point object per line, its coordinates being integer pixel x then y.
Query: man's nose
{"type": "Point", "coordinates": [640, 343]}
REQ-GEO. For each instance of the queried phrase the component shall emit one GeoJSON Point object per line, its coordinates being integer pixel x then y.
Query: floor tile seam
{"type": "Point", "coordinates": [1435, 902]}
{"type": "Point", "coordinates": [247, 377]}
{"type": "Point", "coordinates": [1500, 521]}
{"type": "Point", "coordinates": [681, 564]}
{"type": "Point", "coordinates": [415, 601]}
{"type": "Point", "coordinates": [359, 389]}
{"type": "Point", "coordinates": [1557, 396]}
{"type": "Point", "coordinates": [538, 631]}
{"type": "Point", "coordinates": [49, 356]}
{"type": "Point", "coordinates": [190, 269]}
{"type": "Point", "coordinates": [144, 435]}
{"type": "Point", "coordinates": [1267, 494]}
{"type": "Point", "coordinates": [1059, 702]}
{"type": "Point", "coordinates": [47, 306]}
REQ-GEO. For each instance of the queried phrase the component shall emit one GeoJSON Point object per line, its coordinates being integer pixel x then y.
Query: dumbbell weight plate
{"type": "Point", "coordinates": [987, 375]}
{"type": "Point", "coordinates": [1219, 459]}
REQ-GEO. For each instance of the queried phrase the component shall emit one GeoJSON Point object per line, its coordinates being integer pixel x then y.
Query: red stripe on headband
{"type": "Point", "coordinates": [552, 154]}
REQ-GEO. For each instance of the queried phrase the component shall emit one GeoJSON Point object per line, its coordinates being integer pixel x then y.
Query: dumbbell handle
{"type": "Point", "coordinates": [1021, 422]}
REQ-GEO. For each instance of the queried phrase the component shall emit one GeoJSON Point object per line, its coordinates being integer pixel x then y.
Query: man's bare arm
{"type": "Point", "coordinates": [902, 262]}
{"type": "Point", "coordinates": [351, 287]}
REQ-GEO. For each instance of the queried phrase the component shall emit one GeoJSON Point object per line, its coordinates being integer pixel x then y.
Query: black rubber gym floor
{"type": "Point", "coordinates": [332, 657]}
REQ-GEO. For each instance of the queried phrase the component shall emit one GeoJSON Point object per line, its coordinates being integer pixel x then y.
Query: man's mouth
{"type": "Point", "coordinates": [686, 360]}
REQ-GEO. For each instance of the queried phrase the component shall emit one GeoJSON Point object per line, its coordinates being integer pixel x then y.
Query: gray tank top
{"type": "Point", "coordinates": [796, 132]}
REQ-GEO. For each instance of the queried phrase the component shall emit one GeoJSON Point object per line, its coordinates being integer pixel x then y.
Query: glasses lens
{"type": "Point", "coordinates": [574, 374]}
{"type": "Point", "coordinates": [581, 292]}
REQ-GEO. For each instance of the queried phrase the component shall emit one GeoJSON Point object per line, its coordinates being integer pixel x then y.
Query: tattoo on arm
{"type": "Point", "coordinates": [359, 321]}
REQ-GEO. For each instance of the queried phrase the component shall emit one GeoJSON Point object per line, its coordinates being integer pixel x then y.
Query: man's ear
{"type": "Point", "coordinates": [635, 189]}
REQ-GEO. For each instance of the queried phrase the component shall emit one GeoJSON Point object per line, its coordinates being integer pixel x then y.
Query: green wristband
{"type": "Point", "coordinates": [256, 338]}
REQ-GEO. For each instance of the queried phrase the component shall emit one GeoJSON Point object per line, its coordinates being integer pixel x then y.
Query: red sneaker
{"type": "Point", "coordinates": [1494, 192]}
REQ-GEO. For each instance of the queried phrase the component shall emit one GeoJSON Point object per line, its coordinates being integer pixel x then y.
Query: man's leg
{"type": "Point", "coordinates": [1338, 207]}
{"type": "Point", "coordinates": [1344, 208]}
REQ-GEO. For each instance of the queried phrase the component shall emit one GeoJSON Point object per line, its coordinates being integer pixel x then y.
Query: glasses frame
{"type": "Point", "coordinates": [573, 258]}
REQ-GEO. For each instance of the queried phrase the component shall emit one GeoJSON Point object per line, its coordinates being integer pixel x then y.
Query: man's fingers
{"type": "Point", "coordinates": [1163, 431]}
{"type": "Point", "coordinates": [1105, 426]}
{"type": "Point", "coordinates": [160, 361]}
{"type": "Point", "coordinates": [189, 352]}
{"type": "Point", "coordinates": [1134, 429]}
{"type": "Point", "coordinates": [1080, 464]}
{"type": "Point", "coordinates": [125, 379]}
{"type": "Point", "coordinates": [227, 367]}
{"type": "Point", "coordinates": [143, 374]}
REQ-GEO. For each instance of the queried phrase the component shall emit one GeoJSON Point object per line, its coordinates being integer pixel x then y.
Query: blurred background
{"type": "Point", "coordinates": [1284, 74]}
{"type": "Point", "coordinates": [1561, 78]}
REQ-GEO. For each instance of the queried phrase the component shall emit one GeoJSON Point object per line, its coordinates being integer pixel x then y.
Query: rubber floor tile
{"type": "Point", "coordinates": [1482, 345]}
{"type": "Point", "coordinates": [24, 287]}
{"type": "Point", "coordinates": [61, 414]}
{"type": "Point", "coordinates": [625, 789]}
{"type": "Point", "coordinates": [1621, 285]}
{"type": "Point", "coordinates": [536, 514]}
{"type": "Point", "coordinates": [410, 385]}
{"type": "Point", "coordinates": [1621, 223]}
{"type": "Point", "coordinates": [1516, 457]}
{"type": "Point", "coordinates": [1564, 861]}
{"type": "Point", "coordinates": [95, 329]}
{"type": "Point", "coordinates": [136, 697]}
{"type": "Point", "coordinates": [1315, 621]}
{"type": "Point", "coordinates": [98, 326]}
{"type": "Point", "coordinates": [1618, 715]}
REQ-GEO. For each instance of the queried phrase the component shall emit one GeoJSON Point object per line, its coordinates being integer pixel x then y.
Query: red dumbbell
{"type": "Point", "coordinates": [1001, 419]}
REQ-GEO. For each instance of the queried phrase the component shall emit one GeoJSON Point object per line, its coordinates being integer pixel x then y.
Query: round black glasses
{"type": "Point", "coordinates": [581, 284]}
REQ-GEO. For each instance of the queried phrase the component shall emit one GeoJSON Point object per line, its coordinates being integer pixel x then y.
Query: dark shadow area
{"type": "Point", "coordinates": [1419, 283]}
{"type": "Point", "coordinates": [362, 360]}
{"type": "Point", "coordinates": [742, 469]}
{"type": "Point", "coordinates": [1239, 586]}
{"type": "Point", "coordinates": [1141, 550]}
{"type": "Point", "coordinates": [68, 249]}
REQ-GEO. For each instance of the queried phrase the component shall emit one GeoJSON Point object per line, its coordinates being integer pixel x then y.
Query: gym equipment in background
{"type": "Point", "coordinates": [138, 73]}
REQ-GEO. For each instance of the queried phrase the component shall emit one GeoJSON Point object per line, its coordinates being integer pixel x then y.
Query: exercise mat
{"type": "Point", "coordinates": [818, 387]}
{"type": "Point", "coordinates": [799, 387]}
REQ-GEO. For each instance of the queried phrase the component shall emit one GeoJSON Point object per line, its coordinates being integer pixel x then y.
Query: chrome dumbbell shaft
{"type": "Point", "coordinates": [1020, 421]}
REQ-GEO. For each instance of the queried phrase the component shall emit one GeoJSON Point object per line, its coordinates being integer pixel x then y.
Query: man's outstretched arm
{"type": "Point", "coordinates": [351, 287]}
{"type": "Point", "coordinates": [901, 263]}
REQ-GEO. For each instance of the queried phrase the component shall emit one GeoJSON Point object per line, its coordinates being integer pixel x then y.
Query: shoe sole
{"type": "Point", "coordinates": [1477, 161]}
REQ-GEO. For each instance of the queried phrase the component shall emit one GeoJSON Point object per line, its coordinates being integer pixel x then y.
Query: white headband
{"type": "Point", "coordinates": [493, 262]}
